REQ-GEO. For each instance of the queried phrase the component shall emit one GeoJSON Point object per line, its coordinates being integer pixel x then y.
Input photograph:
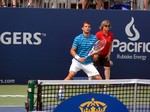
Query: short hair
{"type": "Point", "coordinates": [86, 22]}
{"type": "Point", "coordinates": [103, 23]}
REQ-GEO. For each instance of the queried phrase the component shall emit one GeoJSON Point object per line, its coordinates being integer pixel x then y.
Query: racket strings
{"type": "Point", "coordinates": [96, 47]}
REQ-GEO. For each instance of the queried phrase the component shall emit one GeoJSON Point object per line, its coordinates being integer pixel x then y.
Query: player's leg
{"type": "Point", "coordinates": [83, 3]}
{"type": "Point", "coordinates": [140, 4]}
{"type": "Point", "coordinates": [107, 77]}
{"type": "Point", "coordinates": [3, 3]}
{"type": "Point", "coordinates": [70, 75]}
{"type": "Point", "coordinates": [98, 77]}
{"type": "Point", "coordinates": [13, 3]}
{"type": "Point", "coordinates": [30, 2]}
{"type": "Point", "coordinates": [96, 59]}
{"type": "Point", "coordinates": [106, 65]}
{"type": "Point", "coordinates": [62, 88]}
{"type": "Point", "coordinates": [90, 78]}
{"type": "Point", "coordinates": [104, 62]}
{"type": "Point", "coordinates": [99, 4]}
{"type": "Point", "coordinates": [107, 72]}
{"type": "Point", "coordinates": [91, 71]}
{"type": "Point", "coordinates": [74, 68]}
{"type": "Point", "coordinates": [146, 4]}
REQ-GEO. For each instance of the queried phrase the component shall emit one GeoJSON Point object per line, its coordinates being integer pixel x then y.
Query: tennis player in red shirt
{"type": "Point", "coordinates": [103, 58]}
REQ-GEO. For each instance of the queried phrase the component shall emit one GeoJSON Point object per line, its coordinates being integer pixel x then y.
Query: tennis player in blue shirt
{"type": "Point", "coordinates": [81, 47]}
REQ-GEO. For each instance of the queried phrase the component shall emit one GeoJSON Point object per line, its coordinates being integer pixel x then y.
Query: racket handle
{"type": "Point", "coordinates": [91, 53]}
{"type": "Point", "coordinates": [87, 56]}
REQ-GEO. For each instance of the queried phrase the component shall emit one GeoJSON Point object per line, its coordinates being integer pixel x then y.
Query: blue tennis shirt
{"type": "Point", "coordinates": [84, 45]}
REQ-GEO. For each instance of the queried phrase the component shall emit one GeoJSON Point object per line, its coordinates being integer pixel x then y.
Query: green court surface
{"type": "Point", "coordinates": [13, 95]}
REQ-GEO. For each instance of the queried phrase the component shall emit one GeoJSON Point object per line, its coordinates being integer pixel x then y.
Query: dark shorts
{"type": "Point", "coordinates": [102, 61]}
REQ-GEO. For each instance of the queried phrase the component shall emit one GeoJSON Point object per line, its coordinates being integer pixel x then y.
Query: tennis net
{"type": "Point", "coordinates": [44, 95]}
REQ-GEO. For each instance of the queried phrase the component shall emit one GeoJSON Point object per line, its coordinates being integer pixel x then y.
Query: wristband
{"type": "Point", "coordinates": [77, 57]}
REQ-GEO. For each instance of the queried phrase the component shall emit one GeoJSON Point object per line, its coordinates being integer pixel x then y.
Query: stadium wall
{"type": "Point", "coordinates": [35, 43]}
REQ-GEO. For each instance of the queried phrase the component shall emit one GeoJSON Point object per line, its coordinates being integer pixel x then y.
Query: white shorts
{"type": "Point", "coordinates": [89, 69]}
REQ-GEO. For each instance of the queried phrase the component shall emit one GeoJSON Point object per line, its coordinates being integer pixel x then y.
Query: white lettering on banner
{"type": "Point", "coordinates": [7, 81]}
{"type": "Point", "coordinates": [18, 38]}
{"type": "Point", "coordinates": [139, 57]}
{"type": "Point", "coordinates": [133, 46]}
{"type": "Point", "coordinates": [121, 56]}
{"type": "Point", "coordinates": [128, 57]}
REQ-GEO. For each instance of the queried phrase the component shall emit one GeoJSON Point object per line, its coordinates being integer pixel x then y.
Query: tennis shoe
{"type": "Point", "coordinates": [30, 6]}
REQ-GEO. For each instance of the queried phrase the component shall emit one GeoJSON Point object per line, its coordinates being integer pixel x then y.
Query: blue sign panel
{"type": "Point", "coordinates": [91, 103]}
{"type": "Point", "coordinates": [35, 43]}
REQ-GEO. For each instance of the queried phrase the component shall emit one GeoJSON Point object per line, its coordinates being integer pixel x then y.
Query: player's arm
{"type": "Point", "coordinates": [73, 51]}
{"type": "Point", "coordinates": [74, 54]}
{"type": "Point", "coordinates": [110, 48]}
{"type": "Point", "coordinates": [109, 52]}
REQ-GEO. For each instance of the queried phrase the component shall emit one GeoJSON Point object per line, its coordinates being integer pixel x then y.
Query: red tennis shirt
{"type": "Point", "coordinates": [109, 38]}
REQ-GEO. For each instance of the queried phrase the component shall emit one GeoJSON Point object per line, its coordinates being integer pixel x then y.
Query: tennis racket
{"type": "Point", "coordinates": [97, 47]}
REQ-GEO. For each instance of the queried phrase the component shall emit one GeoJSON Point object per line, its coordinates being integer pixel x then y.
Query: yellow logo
{"type": "Point", "coordinates": [93, 106]}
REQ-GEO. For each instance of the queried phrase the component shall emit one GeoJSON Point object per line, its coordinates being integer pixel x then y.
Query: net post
{"type": "Point", "coordinates": [39, 102]}
{"type": "Point", "coordinates": [30, 99]}
{"type": "Point", "coordinates": [135, 96]}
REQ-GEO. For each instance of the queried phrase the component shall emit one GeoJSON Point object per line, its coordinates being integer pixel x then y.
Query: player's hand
{"type": "Point", "coordinates": [95, 57]}
{"type": "Point", "coordinates": [108, 57]}
{"type": "Point", "coordinates": [81, 59]}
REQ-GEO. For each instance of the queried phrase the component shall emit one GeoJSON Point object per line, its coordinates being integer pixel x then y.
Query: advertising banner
{"type": "Point", "coordinates": [35, 43]}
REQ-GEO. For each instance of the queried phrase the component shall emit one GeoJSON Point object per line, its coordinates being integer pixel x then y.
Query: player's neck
{"type": "Point", "coordinates": [86, 34]}
{"type": "Point", "coordinates": [105, 32]}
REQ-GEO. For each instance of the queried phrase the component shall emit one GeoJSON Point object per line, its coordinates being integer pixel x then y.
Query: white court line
{"type": "Point", "coordinates": [4, 96]}
{"type": "Point", "coordinates": [11, 106]}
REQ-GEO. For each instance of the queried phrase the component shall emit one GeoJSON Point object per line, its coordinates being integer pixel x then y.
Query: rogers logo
{"type": "Point", "coordinates": [19, 38]}
{"type": "Point", "coordinates": [129, 33]}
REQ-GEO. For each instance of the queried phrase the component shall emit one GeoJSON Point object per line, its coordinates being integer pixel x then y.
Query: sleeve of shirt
{"type": "Point", "coordinates": [96, 35]}
{"type": "Point", "coordinates": [112, 37]}
{"type": "Point", "coordinates": [75, 43]}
